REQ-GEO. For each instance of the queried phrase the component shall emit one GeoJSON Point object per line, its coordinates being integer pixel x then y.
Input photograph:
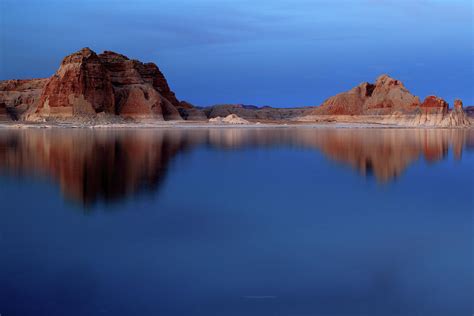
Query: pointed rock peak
{"type": "Point", "coordinates": [79, 56]}
{"type": "Point", "coordinates": [386, 80]}
{"type": "Point", "coordinates": [86, 51]}
{"type": "Point", "coordinates": [458, 104]}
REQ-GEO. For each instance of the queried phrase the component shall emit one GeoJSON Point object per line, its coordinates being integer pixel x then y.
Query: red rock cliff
{"type": "Point", "coordinates": [19, 96]}
{"type": "Point", "coordinates": [86, 84]}
{"type": "Point", "coordinates": [80, 86]}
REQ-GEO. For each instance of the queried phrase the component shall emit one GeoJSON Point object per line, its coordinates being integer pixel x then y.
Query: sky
{"type": "Point", "coordinates": [262, 52]}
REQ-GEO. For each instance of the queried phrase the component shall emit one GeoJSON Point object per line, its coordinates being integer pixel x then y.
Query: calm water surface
{"type": "Point", "coordinates": [236, 222]}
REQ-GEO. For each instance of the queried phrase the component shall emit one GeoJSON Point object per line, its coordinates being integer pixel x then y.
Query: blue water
{"type": "Point", "coordinates": [237, 222]}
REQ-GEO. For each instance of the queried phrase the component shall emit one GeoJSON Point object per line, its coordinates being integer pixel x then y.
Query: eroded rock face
{"type": "Point", "coordinates": [229, 119]}
{"type": "Point", "coordinates": [434, 105]}
{"type": "Point", "coordinates": [129, 77]}
{"type": "Point", "coordinates": [392, 103]}
{"type": "Point", "coordinates": [384, 97]}
{"type": "Point", "coordinates": [81, 86]}
{"type": "Point", "coordinates": [141, 90]}
{"type": "Point", "coordinates": [152, 74]}
{"type": "Point", "coordinates": [458, 106]}
{"type": "Point", "coordinates": [389, 95]}
{"type": "Point", "coordinates": [86, 84]}
{"type": "Point", "coordinates": [433, 112]}
{"type": "Point", "coordinates": [191, 113]}
{"type": "Point", "coordinates": [351, 102]}
{"type": "Point", "coordinates": [458, 117]}
{"type": "Point", "coordinates": [18, 96]}
{"type": "Point", "coordinates": [4, 115]}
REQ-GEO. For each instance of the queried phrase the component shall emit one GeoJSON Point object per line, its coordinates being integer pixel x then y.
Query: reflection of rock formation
{"type": "Point", "coordinates": [385, 153]}
{"type": "Point", "coordinates": [110, 165]}
{"type": "Point", "coordinates": [90, 166]}
{"type": "Point", "coordinates": [389, 152]}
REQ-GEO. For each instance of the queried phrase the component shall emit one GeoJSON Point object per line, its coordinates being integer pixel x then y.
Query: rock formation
{"type": "Point", "coordinates": [388, 101]}
{"type": "Point", "coordinates": [384, 97]}
{"type": "Point", "coordinates": [229, 119]}
{"type": "Point", "coordinates": [389, 95]}
{"type": "Point", "coordinates": [434, 105]}
{"type": "Point", "coordinates": [433, 112]}
{"type": "Point", "coordinates": [251, 112]}
{"type": "Point", "coordinates": [4, 114]}
{"type": "Point", "coordinates": [189, 112]}
{"type": "Point", "coordinates": [141, 90]}
{"type": "Point", "coordinates": [19, 96]}
{"type": "Point", "coordinates": [81, 86]}
{"type": "Point", "coordinates": [90, 88]}
{"type": "Point", "coordinates": [86, 84]}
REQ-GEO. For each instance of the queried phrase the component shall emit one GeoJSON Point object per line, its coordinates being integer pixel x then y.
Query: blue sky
{"type": "Point", "coordinates": [263, 52]}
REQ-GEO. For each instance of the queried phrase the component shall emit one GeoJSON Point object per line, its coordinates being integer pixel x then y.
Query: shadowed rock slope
{"type": "Point", "coordinates": [19, 96]}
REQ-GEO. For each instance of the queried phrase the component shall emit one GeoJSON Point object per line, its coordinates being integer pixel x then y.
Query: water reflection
{"type": "Point", "coordinates": [109, 165]}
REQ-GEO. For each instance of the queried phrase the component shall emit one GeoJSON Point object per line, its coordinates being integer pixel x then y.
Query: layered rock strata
{"type": "Point", "coordinates": [87, 84]}
{"type": "Point", "coordinates": [389, 101]}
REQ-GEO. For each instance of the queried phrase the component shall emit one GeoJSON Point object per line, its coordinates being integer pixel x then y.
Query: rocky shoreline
{"type": "Point", "coordinates": [111, 90]}
{"type": "Point", "coordinates": [357, 123]}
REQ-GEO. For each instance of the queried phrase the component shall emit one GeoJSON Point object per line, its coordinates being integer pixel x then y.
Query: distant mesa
{"type": "Point", "coordinates": [469, 110]}
{"type": "Point", "coordinates": [112, 87]}
{"type": "Point", "coordinates": [254, 113]}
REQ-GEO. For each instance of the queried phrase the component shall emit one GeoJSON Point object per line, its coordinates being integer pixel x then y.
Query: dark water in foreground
{"type": "Point", "coordinates": [236, 222]}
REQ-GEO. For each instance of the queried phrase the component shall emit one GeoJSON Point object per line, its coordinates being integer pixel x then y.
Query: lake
{"type": "Point", "coordinates": [236, 221]}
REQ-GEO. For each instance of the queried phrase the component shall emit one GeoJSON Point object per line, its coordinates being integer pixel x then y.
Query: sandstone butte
{"type": "Point", "coordinates": [390, 100]}
{"type": "Point", "coordinates": [88, 85]}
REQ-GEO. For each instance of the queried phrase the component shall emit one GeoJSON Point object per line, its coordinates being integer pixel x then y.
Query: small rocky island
{"type": "Point", "coordinates": [109, 88]}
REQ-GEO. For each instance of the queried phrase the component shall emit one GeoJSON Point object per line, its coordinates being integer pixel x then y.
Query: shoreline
{"type": "Point", "coordinates": [203, 124]}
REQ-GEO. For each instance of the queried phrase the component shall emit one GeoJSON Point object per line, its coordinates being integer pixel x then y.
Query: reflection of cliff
{"type": "Point", "coordinates": [110, 165]}
{"type": "Point", "coordinates": [388, 153]}
{"type": "Point", "coordinates": [385, 153]}
{"type": "Point", "coordinates": [90, 165]}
